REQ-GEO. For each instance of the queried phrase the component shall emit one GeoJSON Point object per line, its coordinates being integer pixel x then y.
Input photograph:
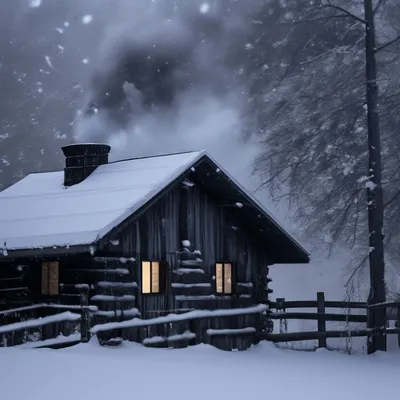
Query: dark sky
{"type": "Point", "coordinates": [58, 58]}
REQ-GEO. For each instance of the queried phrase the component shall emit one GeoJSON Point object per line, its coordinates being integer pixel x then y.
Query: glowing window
{"type": "Point", "coordinates": [50, 278]}
{"type": "Point", "coordinates": [152, 277]}
{"type": "Point", "coordinates": [224, 278]}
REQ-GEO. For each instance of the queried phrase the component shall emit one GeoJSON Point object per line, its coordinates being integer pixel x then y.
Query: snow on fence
{"type": "Point", "coordinates": [191, 315]}
{"type": "Point", "coordinates": [189, 328]}
{"type": "Point", "coordinates": [33, 324]}
{"type": "Point", "coordinates": [321, 317]}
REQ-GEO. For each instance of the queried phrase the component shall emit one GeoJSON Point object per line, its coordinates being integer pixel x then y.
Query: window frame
{"type": "Point", "coordinates": [224, 291]}
{"type": "Point", "coordinates": [162, 277]}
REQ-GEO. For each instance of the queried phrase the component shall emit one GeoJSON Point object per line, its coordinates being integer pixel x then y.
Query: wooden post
{"type": "Point", "coordinates": [84, 300]}
{"type": "Point", "coordinates": [321, 320]}
{"type": "Point", "coordinates": [280, 305]}
{"type": "Point", "coordinates": [397, 325]}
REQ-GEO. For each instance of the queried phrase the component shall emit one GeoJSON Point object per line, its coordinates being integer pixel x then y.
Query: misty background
{"type": "Point", "coordinates": [273, 89]}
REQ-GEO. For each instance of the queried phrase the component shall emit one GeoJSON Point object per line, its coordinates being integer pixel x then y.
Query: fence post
{"type": "Point", "coordinates": [280, 306]}
{"type": "Point", "coordinates": [321, 319]}
{"type": "Point", "coordinates": [84, 300]}
{"type": "Point", "coordinates": [397, 324]}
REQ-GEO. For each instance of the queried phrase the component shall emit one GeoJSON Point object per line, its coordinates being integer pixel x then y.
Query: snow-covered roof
{"type": "Point", "coordinates": [39, 212]}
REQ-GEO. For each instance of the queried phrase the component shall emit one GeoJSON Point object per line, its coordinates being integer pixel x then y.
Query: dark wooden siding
{"type": "Point", "coordinates": [158, 234]}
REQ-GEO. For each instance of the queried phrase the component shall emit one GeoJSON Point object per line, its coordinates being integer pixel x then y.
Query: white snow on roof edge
{"type": "Point", "coordinates": [37, 212]}
{"type": "Point", "coordinates": [103, 232]}
{"type": "Point", "coordinates": [89, 234]}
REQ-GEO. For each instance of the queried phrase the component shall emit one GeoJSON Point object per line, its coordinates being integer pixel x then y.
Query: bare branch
{"type": "Point", "coordinates": [356, 269]}
{"type": "Point", "coordinates": [380, 2]}
{"type": "Point", "coordinates": [392, 199]}
{"type": "Point", "coordinates": [346, 12]}
{"type": "Point", "coordinates": [327, 18]}
{"type": "Point", "coordinates": [387, 44]}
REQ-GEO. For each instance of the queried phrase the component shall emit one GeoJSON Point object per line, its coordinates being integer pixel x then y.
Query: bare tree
{"type": "Point", "coordinates": [321, 167]}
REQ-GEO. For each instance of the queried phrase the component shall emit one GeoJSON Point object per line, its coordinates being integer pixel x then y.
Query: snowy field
{"type": "Point", "coordinates": [90, 372]}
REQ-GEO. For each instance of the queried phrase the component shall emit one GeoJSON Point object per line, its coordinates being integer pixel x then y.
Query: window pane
{"type": "Point", "coordinates": [219, 278]}
{"type": "Point", "coordinates": [45, 277]}
{"type": "Point", "coordinates": [53, 278]}
{"type": "Point", "coordinates": [146, 278]}
{"type": "Point", "coordinates": [155, 277]}
{"type": "Point", "coordinates": [228, 278]}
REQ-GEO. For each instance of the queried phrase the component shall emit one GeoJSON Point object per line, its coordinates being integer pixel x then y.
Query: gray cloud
{"type": "Point", "coordinates": [186, 89]}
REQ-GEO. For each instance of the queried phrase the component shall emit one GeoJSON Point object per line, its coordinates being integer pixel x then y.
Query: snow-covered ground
{"type": "Point", "coordinates": [202, 372]}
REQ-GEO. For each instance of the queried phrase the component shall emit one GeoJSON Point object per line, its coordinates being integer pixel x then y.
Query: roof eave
{"type": "Point", "coordinates": [46, 252]}
{"type": "Point", "coordinates": [260, 207]}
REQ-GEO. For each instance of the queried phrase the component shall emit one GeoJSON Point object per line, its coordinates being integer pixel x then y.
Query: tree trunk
{"type": "Point", "coordinates": [374, 190]}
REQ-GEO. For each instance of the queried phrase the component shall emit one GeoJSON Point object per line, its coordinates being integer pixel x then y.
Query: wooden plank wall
{"type": "Point", "coordinates": [158, 235]}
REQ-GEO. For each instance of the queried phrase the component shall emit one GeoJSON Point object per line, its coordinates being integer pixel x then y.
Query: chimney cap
{"type": "Point", "coordinates": [80, 149]}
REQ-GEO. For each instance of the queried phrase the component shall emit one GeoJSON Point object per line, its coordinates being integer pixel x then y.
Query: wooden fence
{"type": "Point", "coordinates": [44, 324]}
{"type": "Point", "coordinates": [321, 317]}
{"type": "Point", "coordinates": [56, 326]}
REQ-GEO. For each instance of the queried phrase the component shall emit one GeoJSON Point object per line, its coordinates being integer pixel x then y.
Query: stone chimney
{"type": "Point", "coordinates": [82, 159]}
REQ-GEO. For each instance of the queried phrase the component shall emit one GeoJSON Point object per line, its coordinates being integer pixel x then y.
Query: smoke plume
{"type": "Point", "coordinates": [145, 76]}
{"type": "Point", "coordinates": [168, 76]}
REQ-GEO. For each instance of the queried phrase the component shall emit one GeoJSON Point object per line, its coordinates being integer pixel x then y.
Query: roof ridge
{"type": "Point", "coordinates": [156, 156]}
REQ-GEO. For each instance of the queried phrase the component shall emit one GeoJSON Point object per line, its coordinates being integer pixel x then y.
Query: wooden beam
{"type": "Point", "coordinates": [312, 335]}
{"type": "Point", "coordinates": [321, 319]}
{"type": "Point", "coordinates": [314, 304]}
{"type": "Point", "coordinates": [316, 316]}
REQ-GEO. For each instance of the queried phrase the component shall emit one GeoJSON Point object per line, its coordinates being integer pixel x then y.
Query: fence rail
{"type": "Point", "coordinates": [314, 304]}
{"type": "Point", "coordinates": [47, 323]}
{"type": "Point", "coordinates": [18, 325]}
{"type": "Point", "coordinates": [69, 321]}
{"type": "Point", "coordinates": [321, 317]}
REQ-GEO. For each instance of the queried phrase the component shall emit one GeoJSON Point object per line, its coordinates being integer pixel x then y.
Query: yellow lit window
{"type": "Point", "coordinates": [224, 278]}
{"type": "Point", "coordinates": [152, 278]}
{"type": "Point", "coordinates": [50, 278]}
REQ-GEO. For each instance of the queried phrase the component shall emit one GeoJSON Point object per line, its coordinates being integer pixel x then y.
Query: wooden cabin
{"type": "Point", "coordinates": [145, 237]}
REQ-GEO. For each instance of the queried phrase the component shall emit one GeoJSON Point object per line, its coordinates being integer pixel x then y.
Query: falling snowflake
{"type": "Point", "coordinates": [35, 3]}
{"type": "Point", "coordinates": [204, 8]}
{"type": "Point", "coordinates": [85, 61]}
{"type": "Point", "coordinates": [48, 61]}
{"type": "Point", "coordinates": [87, 19]}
